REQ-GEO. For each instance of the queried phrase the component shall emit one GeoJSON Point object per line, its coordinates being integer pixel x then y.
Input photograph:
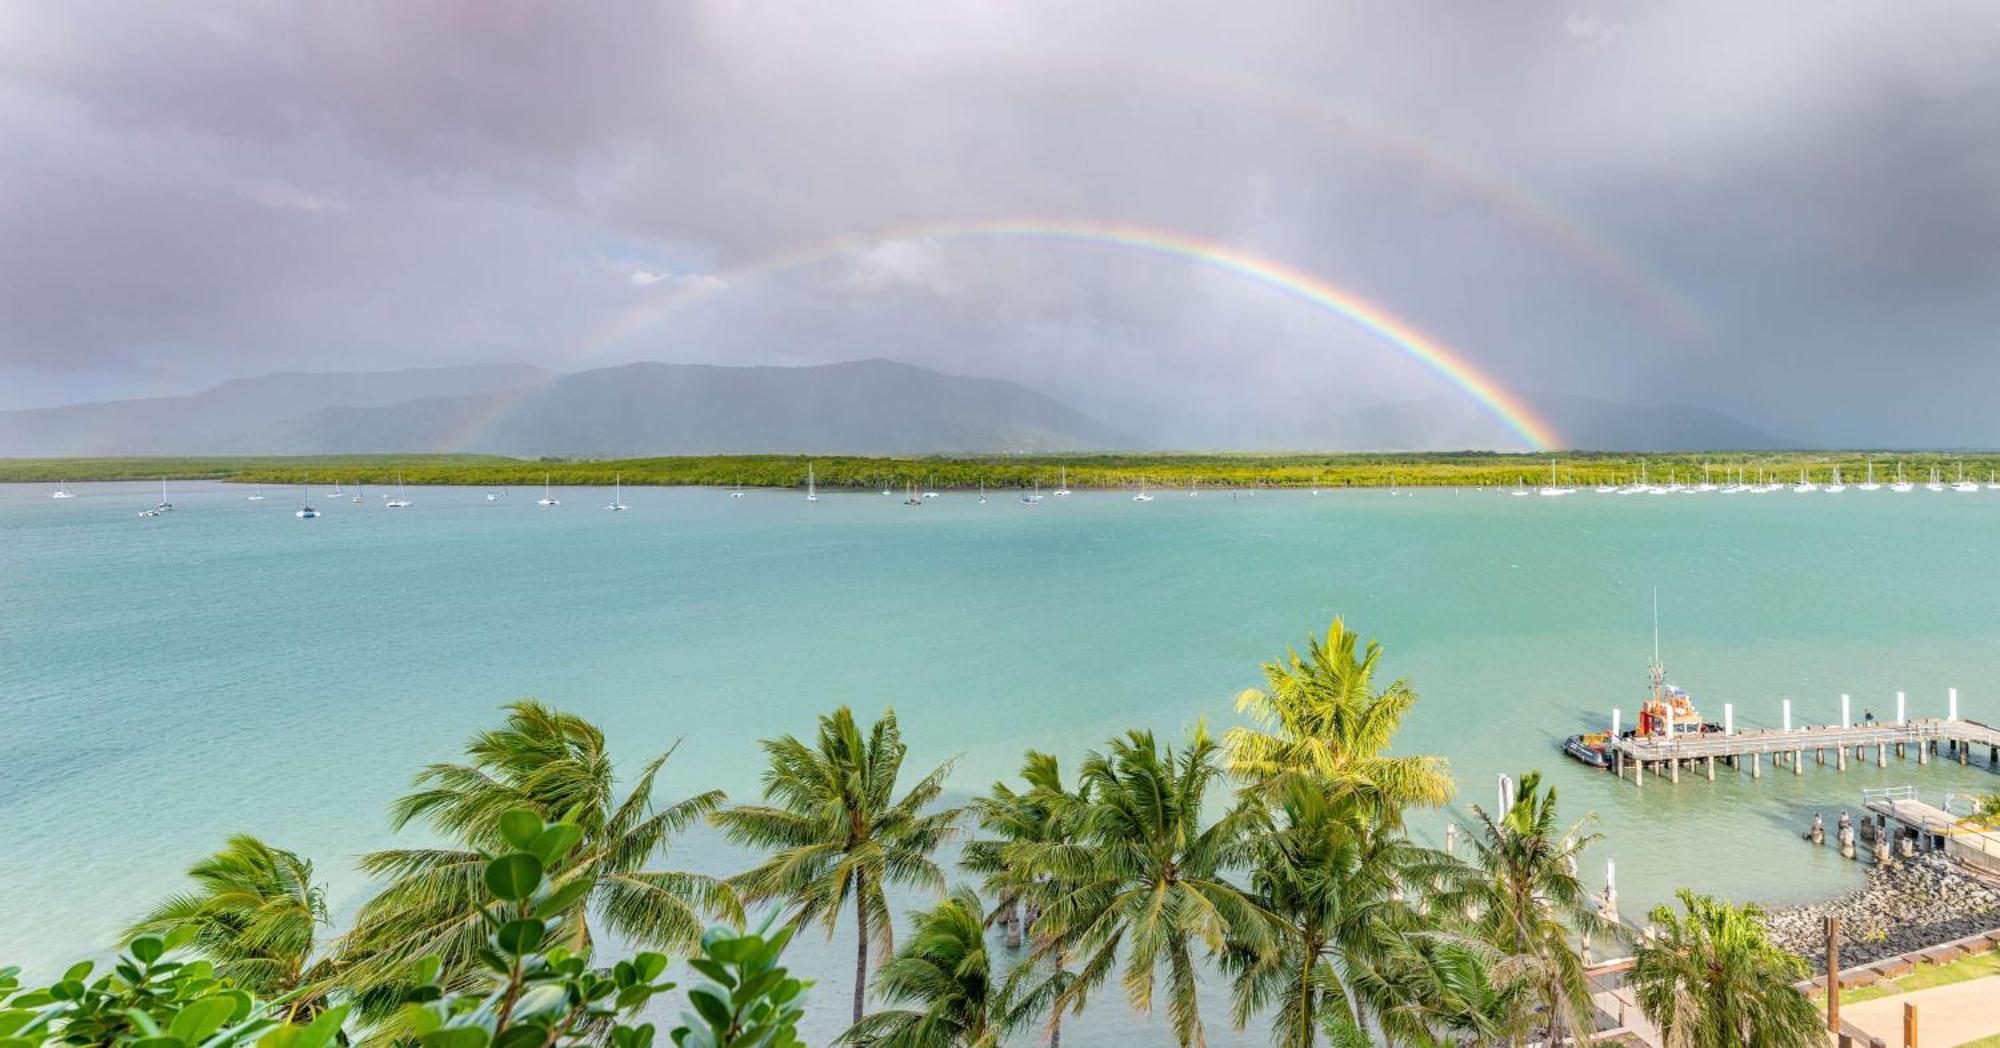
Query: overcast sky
{"type": "Point", "coordinates": [1785, 211]}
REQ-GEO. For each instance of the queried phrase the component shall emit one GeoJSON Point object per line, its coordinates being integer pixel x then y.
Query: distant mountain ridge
{"type": "Point", "coordinates": [860, 407]}
{"type": "Point", "coordinates": [856, 407]}
{"type": "Point", "coordinates": [238, 417]}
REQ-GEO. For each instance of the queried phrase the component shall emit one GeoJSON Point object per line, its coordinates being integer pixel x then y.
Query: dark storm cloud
{"type": "Point", "coordinates": [192, 193]}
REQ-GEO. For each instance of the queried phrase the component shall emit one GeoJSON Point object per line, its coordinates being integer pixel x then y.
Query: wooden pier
{"type": "Point", "coordinates": [1947, 738]}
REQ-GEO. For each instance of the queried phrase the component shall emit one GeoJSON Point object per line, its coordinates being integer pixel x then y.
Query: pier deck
{"type": "Point", "coordinates": [1743, 743]}
{"type": "Point", "coordinates": [1923, 738]}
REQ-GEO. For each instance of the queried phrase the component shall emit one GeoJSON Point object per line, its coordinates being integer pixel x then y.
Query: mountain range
{"type": "Point", "coordinates": [859, 407]}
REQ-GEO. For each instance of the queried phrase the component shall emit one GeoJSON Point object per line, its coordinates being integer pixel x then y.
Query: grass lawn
{"type": "Point", "coordinates": [1927, 976]}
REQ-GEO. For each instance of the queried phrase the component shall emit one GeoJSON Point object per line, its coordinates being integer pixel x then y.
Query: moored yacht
{"type": "Point", "coordinates": [548, 497]}
{"type": "Point", "coordinates": [1805, 483]}
{"type": "Point", "coordinates": [396, 501]}
{"type": "Point", "coordinates": [62, 491]}
{"type": "Point", "coordinates": [1934, 484]}
{"type": "Point", "coordinates": [1869, 484]}
{"type": "Point", "coordinates": [1900, 485]}
{"type": "Point", "coordinates": [618, 493]}
{"type": "Point", "coordinates": [1553, 489]}
{"type": "Point", "coordinates": [1836, 487]}
{"type": "Point", "coordinates": [812, 484]}
{"type": "Point", "coordinates": [1964, 484]}
{"type": "Point", "coordinates": [305, 510]}
{"type": "Point", "coordinates": [1062, 486]}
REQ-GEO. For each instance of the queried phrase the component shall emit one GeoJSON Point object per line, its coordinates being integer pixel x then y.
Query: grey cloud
{"type": "Point", "coordinates": [189, 194]}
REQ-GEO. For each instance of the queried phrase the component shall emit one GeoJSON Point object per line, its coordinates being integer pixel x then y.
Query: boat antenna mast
{"type": "Point", "coordinates": [1659, 673]}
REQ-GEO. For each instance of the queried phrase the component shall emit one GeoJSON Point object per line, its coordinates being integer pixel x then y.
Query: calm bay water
{"type": "Point", "coordinates": [226, 667]}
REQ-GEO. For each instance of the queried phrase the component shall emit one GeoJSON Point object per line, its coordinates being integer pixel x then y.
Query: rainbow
{"type": "Point", "coordinates": [1451, 365]}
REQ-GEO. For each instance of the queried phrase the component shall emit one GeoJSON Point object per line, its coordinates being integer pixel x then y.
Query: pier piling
{"type": "Point", "coordinates": [1711, 768]}
{"type": "Point", "coordinates": [1798, 762]}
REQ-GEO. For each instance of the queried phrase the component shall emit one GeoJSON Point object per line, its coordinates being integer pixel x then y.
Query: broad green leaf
{"type": "Point", "coordinates": [148, 948]}
{"type": "Point", "coordinates": [519, 937]}
{"type": "Point", "coordinates": [193, 1024]}
{"type": "Point", "coordinates": [554, 842]}
{"type": "Point", "coordinates": [514, 877]}
{"type": "Point", "coordinates": [519, 827]}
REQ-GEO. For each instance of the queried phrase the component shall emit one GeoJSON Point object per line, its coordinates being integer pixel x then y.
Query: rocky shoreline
{"type": "Point", "coordinates": [1907, 904]}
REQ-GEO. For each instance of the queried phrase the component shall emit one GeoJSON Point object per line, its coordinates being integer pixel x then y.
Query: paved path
{"type": "Point", "coordinates": [1946, 1015]}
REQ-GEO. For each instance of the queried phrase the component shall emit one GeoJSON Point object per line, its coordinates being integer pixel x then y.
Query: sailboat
{"type": "Point", "coordinates": [1029, 497]}
{"type": "Point", "coordinates": [812, 485]}
{"type": "Point", "coordinates": [1934, 484]}
{"type": "Point", "coordinates": [911, 499]}
{"type": "Point", "coordinates": [163, 507]}
{"type": "Point", "coordinates": [357, 493]}
{"type": "Point", "coordinates": [1142, 496]}
{"type": "Point", "coordinates": [930, 489]}
{"type": "Point", "coordinates": [495, 494]}
{"type": "Point", "coordinates": [618, 493]}
{"type": "Point", "coordinates": [62, 491]}
{"type": "Point", "coordinates": [1805, 483]}
{"type": "Point", "coordinates": [1554, 489]}
{"type": "Point", "coordinates": [1062, 488]}
{"type": "Point", "coordinates": [1836, 487]}
{"type": "Point", "coordinates": [885, 486]}
{"type": "Point", "coordinates": [1520, 487]}
{"type": "Point", "coordinates": [256, 494]}
{"type": "Point", "coordinates": [1964, 484]}
{"type": "Point", "coordinates": [548, 498]}
{"type": "Point", "coordinates": [1869, 484]}
{"type": "Point", "coordinates": [336, 493]}
{"type": "Point", "coordinates": [398, 502]}
{"type": "Point", "coordinates": [1706, 484]}
{"type": "Point", "coordinates": [738, 493]}
{"type": "Point", "coordinates": [305, 510]}
{"type": "Point", "coordinates": [982, 492]}
{"type": "Point", "coordinates": [1900, 484]}
{"type": "Point", "coordinates": [1992, 481]}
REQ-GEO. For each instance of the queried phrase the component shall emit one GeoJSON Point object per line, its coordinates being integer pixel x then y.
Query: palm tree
{"type": "Point", "coordinates": [1148, 878]}
{"type": "Point", "coordinates": [1322, 718]}
{"type": "Point", "coordinates": [1435, 987]}
{"type": "Point", "coordinates": [1713, 978]}
{"type": "Point", "coordinates": [1986, 815]}
{"type": "Point", "coordinates": [942, 968]}
{"type": "Point", "coordinates": [1030, 826]}
{"type": "Point", "coordinates": [1522, 897]}
{"type": "Point", "coordinates": [838, 831]}
{"type": "Point", "coordinates": [255, 913]}
{"type": "Point", "coordinates": [556, 765]}
{"type": "Point", "coordinates": [1333, 882]}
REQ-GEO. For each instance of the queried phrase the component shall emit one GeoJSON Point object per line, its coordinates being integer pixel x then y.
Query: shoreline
{"type": "Point", "coordinates": [1906, 905]}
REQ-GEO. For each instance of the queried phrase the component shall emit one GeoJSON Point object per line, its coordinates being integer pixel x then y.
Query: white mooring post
{"type": "Point", "coordinates": [1788, 715]}
{"type": "Point", "coordinates": [1728, 718]}
{"type": "Point", "coordinates": [1506, 794]}
{"type": "Point", "coordinates": [1846, 711]}
{"type": "Point", "coordinates": [1902, 705]}
{"type": "Point", "coordinates": [1951, 704]}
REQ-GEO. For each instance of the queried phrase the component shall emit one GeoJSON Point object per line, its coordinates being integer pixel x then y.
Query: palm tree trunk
{"type": "Point", "coordinates": [861, 948]}
{"type": "Point", "coordinates": [1055, 1028]}
{"type": "Point", "coordinates": [1304, 1035]}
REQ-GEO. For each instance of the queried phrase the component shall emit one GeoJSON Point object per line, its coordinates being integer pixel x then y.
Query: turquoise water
{"type": "Point", "coordinates": [229, 668]}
